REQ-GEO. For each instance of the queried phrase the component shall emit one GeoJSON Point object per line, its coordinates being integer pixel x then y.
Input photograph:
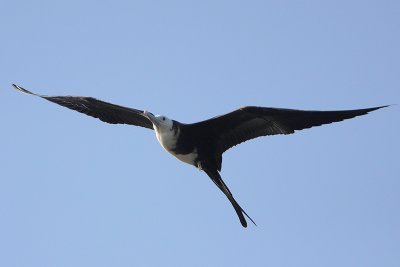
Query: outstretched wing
{"type": "Point", "coordinates": [250, 122]}
{"type": "Point", "coordinates": [104, 111]}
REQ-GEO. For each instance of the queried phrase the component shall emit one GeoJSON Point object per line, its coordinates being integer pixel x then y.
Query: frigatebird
{"type": "Point", "coordinates": [202, 144]}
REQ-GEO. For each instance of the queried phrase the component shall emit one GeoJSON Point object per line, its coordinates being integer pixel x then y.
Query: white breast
{"type": "Point", "coordinates": [168, 139]}
{"type": "Point", "coordinates": [187, 158]}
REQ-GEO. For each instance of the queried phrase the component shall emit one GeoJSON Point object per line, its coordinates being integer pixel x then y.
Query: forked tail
{"type": "Point", "coordinates": [216, 178]}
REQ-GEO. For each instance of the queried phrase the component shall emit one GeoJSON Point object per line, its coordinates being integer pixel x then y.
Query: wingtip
{"type": "Point", "coordinates": [22, 89]}
{"type": "Point", "coordinates": [376, 108]}
{"type": "Point", "coordinates": [384, 106]}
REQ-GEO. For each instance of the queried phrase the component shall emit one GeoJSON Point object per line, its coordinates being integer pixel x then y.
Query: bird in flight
{"type": "Point", "coordinates": [202, 144]}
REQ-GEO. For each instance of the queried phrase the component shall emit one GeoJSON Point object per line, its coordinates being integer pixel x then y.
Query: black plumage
{"type": "Point", "coordinates": [203, 143]}
{"type": "Point", "coordinates": [104, 111]}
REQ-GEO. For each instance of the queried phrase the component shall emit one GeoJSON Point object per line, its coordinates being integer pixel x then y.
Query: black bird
{"type": "Point", "coordinates": [202, 144]}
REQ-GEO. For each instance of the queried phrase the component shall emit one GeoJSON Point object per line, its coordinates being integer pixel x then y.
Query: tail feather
{"type": "Point", "coordinates": [216, 178]}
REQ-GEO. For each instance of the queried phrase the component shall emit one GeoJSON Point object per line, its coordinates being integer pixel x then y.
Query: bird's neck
{"type": "Point", "coordinates": [168, 136]}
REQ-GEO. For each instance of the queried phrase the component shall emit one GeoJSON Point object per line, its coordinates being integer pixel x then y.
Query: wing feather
{"type": "Point", "coordinates": [93, 107]}
{"type": "Point", "coordinates": [251, 122]}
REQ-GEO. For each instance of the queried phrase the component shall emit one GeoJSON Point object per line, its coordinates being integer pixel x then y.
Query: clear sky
{"type": "Point", "coordinates": [75, 191]}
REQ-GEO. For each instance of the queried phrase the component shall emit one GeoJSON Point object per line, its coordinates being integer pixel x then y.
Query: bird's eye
{"type": "Point", "coordinates": [163, 118]}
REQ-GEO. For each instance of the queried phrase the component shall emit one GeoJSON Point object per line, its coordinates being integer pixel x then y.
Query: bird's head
{"type": "Point", "coordinates": [159, 121]}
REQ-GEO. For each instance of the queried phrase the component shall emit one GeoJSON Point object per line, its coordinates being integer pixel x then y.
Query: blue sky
{"type": "Point", "coordinates": [78, 192]}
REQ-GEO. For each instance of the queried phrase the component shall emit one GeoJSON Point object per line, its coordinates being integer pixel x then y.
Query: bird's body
{"type": "Point", "coordinates": [202, 144]}
{"type": "Point", "coordinates": [167, 133]}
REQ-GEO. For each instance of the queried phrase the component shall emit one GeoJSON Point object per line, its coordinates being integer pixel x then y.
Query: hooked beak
{"type": "Point", "coordinates": [151, 117]}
